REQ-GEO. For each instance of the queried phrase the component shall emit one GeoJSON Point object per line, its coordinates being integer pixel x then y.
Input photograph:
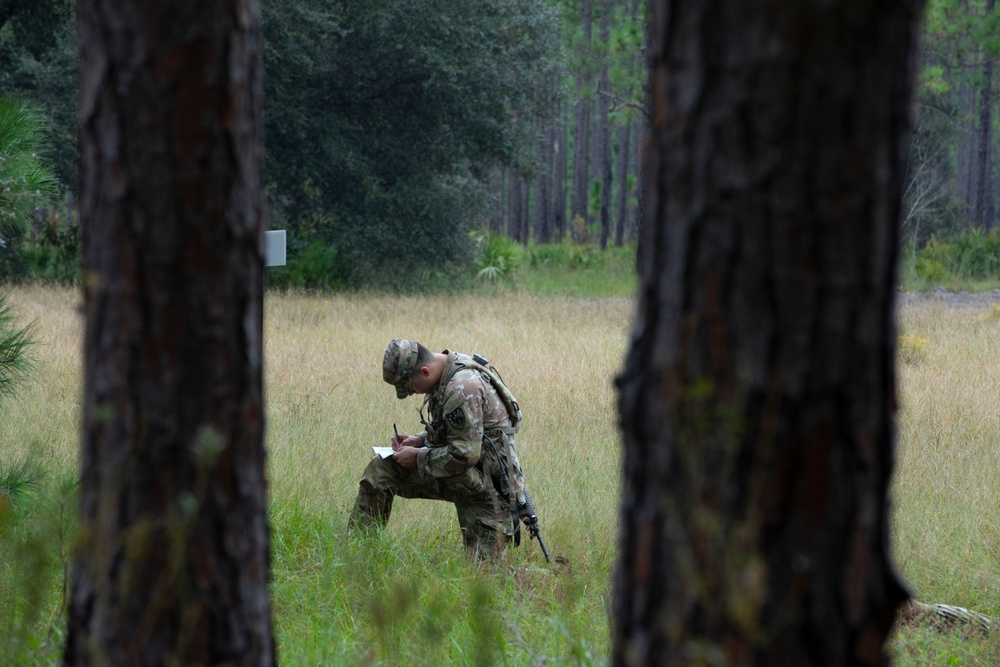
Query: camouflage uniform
{"type": "Point", "coordinates": [470, 459]}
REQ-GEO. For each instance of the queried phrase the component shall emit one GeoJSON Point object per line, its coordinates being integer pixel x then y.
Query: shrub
{"type": "Point", "coordinates": [499, 259]}
{"type": "Point", "coordinates": [973, 255]}
{"type": "Point", "coordinates": [931, 270]}
{"type": "Point", "coordinates": [556, 254]}
{"type": "Point", "coordinates": [977, 255]}
{"type": "Point", "coordinates": [54, 257]}
{"type": "Point", "coordinates": [315, 267]}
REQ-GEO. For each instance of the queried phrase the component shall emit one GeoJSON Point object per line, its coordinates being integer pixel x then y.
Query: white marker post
{"type": "Point", "coordinates": [274, 248]}
{"type": "Point", "coordinates": [274, 255]}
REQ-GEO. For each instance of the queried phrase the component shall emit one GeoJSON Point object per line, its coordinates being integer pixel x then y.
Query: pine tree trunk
{"type": "Point", "coordinates": [966, 152]}
{"type": "Point", "coordinates": [758, 396]}
{"type": "Point", "coordinates": [514, 207]}
{"type": "Point", "coordinates": [543, 185]}
{"type": "Point", "coordinates": [525, 228]}
{"type": "Point", "coordinates": [994, 190]}
{"type": "Point", "coordinates": [642, 143]}
{"type": "Point", "coordinates": [581, 141]}
{"type": "Point", "coordinates": [172, 563]}
{"type": "Point", "coordinates": [624, 160]}
{"type": "Point", "coordinates": [561, 142]}
{"type": "Point", "coordinates": [605, 133]}
{"type": "Point", "coordinates": [497, 216]}
{"type": "Point", "coordinates": [985, 141]}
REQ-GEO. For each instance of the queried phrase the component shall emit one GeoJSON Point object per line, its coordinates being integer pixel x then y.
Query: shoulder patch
{"type": "Point", "coordinates": [456, 418]}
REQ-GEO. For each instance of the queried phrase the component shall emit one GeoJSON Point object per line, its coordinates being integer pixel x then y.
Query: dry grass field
{"type": "Point", "coordinates": [327, 405]}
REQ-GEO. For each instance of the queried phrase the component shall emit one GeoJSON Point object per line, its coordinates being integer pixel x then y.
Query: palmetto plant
{"type": "Point", "coordinates": [500, 258]}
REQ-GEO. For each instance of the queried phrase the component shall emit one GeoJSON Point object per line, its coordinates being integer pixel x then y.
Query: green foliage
{"type": "Point", "coordinates": [38, 62]}
{"type": "Point", "coordinates": [54, 257]}
{"type": "Point", "coordinates": [25, 182]}
{"type": "Point", "coordinates": [580, 270]}
{"type": "Point", "coordinates": [499, 258]}
{"type": "Point", "coordinates": [919, 643]}
{"type": "Point", "coordinates": [20, 480]}
{"type": "Point", "coordinates": [315, 267]}
{"type": "Point", "coordinates": [385, 117]}
{"type": "Point", "coordinates": [932, 271]}
{"type": "Point", "coordinates": [397, 598]}
{"type": "Point", "coordinates": [36, 520]}
{"type": "Point", "coordinates": [971, 256]}
{"type": "Point", "coordinates": [15, 343]}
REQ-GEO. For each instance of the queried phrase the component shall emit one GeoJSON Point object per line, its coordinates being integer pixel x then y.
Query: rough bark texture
{"type": "Point", "coordinates": [543, 185]}
{"type": "Point", "coordinates": [581, 138]}
{"type": "Point", "coordinates": [497, 214]}
{"type": "Point", "coordinates": [624, 160]}
{"type": "Point", "coordinates": [966, 151]}
{"type": "Point", "coordinates": [758, 396]}
{"type": "Point", "coordinates": [172, 561]}
{"type": "Point", "coordinates": [604, 141]}
{"type": "Point", "coordinates": [561, 140]}
{"type": "Point", "coordinates": [980, 209]}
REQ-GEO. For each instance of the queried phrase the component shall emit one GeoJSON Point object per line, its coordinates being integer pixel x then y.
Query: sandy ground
{"type": "Point", "coordinates": [974, 300]}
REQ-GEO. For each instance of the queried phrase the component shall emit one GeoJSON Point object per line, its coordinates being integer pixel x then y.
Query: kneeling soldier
{"type": "Point", "coordinates": [465, 455]}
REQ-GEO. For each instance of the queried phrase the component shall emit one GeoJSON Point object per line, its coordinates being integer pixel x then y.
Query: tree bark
{"type": "Point", "coordinates": [173, 558]}
{"type": "Point", "coordinates": [515, 207]}
{"type": "Point", "coordinates": [605, 130]}
{"type": "Point", "coordinates": [561, 173]}
{"type": "Point", "coordinates": [980, 214]}
{"type": "Point", "coordinates": [581, 136]}
{"type": "Point", "coordinates": [543, 185]}
{"type": "Point", "coordinates": [624, 160]}
{"type": "Point", "coordinates": [758, 398]}
{"type": "Point", "coordinates": [966, 151]}
{"type": "Point", "coordinates": [497, 217]}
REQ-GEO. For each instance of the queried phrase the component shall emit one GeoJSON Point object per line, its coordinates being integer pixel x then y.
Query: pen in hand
{"type": "Point", "coordinates": [396, 431]}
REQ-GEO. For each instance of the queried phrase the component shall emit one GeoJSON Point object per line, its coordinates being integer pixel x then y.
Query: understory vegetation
{"type": "Point", "coordinates": [408, 595]}
{"type": "Point", "coordinates": [969, 262]}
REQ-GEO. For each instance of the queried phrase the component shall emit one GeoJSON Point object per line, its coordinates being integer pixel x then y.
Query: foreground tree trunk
{"type": "Point", "coordinates": [758, 396]}
{"type": "Point", "coordinates": [172, 564]}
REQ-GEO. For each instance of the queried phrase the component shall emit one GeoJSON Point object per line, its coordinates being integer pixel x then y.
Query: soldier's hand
{"type": "Point", "coordinates": [405, 441]}
{"type": "Point", "coordinates": [406, 456]}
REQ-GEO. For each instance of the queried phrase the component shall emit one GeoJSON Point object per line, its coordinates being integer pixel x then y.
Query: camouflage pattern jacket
{"type": "Point", "coordinates": [465, 413]}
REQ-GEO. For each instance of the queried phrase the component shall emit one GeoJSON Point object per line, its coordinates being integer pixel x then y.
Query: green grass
{"type": "Point", "coordinates": [930, 643]}
{"type": "Point", "coordinates": [408, 598]}
{"type": "Point", "coordinates": [570, 270]}
{"type": "Point", "coordinates": [408, 595]}
{"type": "Point", "coordinates": [35, 527]}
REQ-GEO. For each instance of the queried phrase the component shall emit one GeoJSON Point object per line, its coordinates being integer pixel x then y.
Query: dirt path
{"type": "Point", "coordinates": [973, 300]}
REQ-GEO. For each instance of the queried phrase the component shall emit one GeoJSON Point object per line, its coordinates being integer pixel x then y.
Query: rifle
{"type": "Point", "coordinates": [526, 513]}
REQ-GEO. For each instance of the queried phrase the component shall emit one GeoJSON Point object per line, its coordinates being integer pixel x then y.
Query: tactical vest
{"type": "Point", "coordinates": [480, 363]}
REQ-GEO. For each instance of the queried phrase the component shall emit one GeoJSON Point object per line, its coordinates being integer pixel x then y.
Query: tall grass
{"type": "Point", "coordinates": [409, 596]}
{"type": "Point", "coordinates": [412, 598]}
{"type": "Point", "coordinates": [946, 518]}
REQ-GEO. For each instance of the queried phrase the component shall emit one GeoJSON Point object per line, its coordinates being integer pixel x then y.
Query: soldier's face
{"type": "Point", "coordinates": [421, 382]}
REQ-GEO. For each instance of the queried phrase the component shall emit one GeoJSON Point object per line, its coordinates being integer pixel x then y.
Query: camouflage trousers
{"type": "Point", "coordinates": [483, 515]}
